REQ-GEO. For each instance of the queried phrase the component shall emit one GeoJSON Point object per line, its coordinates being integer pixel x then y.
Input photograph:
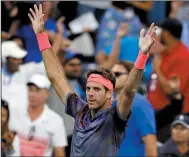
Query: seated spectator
{"type": "Point", "coordinates": [140, 137]}
{"type": "Point", "coordinates": [174, 60]}
{"type": "Point", "coordinates": [41, 131]}
{"type": "Point", "coordinates": [178, 144]}
{"type": "Point", "coordinates": [27, 33]}
{"type": "Point", "coordinates": [19, 40]}
{"type": "Point", "coordinates": [8, 140]}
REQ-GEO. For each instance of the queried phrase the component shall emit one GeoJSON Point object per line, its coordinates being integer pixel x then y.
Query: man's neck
{"type": "Point", "coordinates": [183, 147]}
{"type": "Point", "coordinates": [105, 106]}
{"type": "Point", "coordinates": [118, 93]}
{"type": "Point", "coordinates": [35, 112]}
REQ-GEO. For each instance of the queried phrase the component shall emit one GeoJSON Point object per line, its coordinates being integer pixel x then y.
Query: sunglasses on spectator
{"type": "Point", "coordinates": [117, 74]}
{"type": "Point", "coordinates": [32, 133]}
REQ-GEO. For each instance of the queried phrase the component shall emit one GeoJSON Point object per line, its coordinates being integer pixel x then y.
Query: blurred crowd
{"type": "Point", "coordinates": [33, 119]}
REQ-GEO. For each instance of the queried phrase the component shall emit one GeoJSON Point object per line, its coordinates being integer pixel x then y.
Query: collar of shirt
{"type": "Point", "coordinates": [5, 71]}
{"type": "Point", "coordinates": [43, 117]}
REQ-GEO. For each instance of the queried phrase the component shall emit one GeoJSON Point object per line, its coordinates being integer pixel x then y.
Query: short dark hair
{"type": "Point", "coordinates": [18, 37]}
{"type": "Point", "coordinates": [173, 26]}
{"type": "Point", "coordinates": [126, 64]}
{"type": "Point", "coordinates": [106, 73]}
{"type": "Point", "coordinates": [5, 105]}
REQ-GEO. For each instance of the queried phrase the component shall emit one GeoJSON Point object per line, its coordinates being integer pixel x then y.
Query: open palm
{"type": "Point", "coordinates": [37, 19]}
{"type": "Point", "coordinates": [146, 41]}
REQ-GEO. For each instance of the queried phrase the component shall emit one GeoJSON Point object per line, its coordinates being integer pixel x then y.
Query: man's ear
{"type": "Point", "coordinates": [109, 94]}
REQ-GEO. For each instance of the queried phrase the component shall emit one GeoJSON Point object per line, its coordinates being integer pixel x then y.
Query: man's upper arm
{"type": "Point", "coordinates": [121, 122]}
{"type": "Point", "coordinates": [55, 73]}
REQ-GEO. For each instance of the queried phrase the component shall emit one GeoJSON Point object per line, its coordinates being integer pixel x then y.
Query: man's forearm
{"type": "Point", "coordinates": [129, 90]}
{"type": "Point", "coordinates": [55, 73]}
{"type": "Point", "coordinates": [150, 142]}
{"type": "Point", "coordinates": [114, 56]}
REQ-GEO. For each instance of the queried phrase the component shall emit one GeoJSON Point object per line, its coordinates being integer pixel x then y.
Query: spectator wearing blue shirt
{"type": "Point", "coordinates": [28, 34]}
{"type": "Point", "coordinates": [140, 137]}
{"type": "Point", "coordinates": [109, 24]}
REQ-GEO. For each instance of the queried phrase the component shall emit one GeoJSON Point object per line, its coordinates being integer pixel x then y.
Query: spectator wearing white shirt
{"type": "Point", "coordinates": [13, 69]}
{"type": "Point", "coordinates": [40, 130]}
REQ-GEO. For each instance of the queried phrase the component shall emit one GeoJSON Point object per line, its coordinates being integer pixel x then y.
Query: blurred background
{"type": "Point", "coordinates": [85, 35]}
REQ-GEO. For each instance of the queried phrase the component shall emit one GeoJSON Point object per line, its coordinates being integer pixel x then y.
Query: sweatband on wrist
{"type": "Point", "coordinates": [141, 60]}
{"type": "Point", "coordinates": [43, 41]}
{"type": "Point", "coordinates": [100, 79]}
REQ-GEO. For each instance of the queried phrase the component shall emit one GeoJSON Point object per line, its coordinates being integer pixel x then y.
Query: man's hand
{"type": "Point", "coordinates": [146, 41]}
{"type": "Point", "coordinates": [9, 137]}
{"type": "Point", "coordinates": [59, 24]}
{"type": "Point", "coordinates": [157, 62]}
{"type": "Point", "coordinates": [37, 19]}
{"type": "Point", "coordinates": [122, 30]}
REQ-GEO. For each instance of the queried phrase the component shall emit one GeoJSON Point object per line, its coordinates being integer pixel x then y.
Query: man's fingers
{"type": "Point", "coordinates": [36, 9]}
{"type": "Point", "coordinates": [40, 9]}
{"type": "Point", "coordinates": [31, 18]}
{"type": "Point", "coordinates": [41, 17]}
{"type": "Point", "coordinates": [142, 33]}
{"type": "Point", "coordinates": [150, 29]}
{"type": "Point", "coordinates": [33, 14]}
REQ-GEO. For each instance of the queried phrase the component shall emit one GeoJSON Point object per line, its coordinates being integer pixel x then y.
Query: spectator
{"type": "Point", "coordinates": [9, 139]}
{"type": "Point", "coordinates": [178, 144]}
{"type": "Point", "coordinates": [140, 137]}
{"type": "Point", "coordinates": [40, 130]}
{"type": "Point", "coordinates": [109, 25]}
{"type": "Point", "coordinates": [19, 40]}
{"type": "Point", "coordinates": [165, 116]}
{"type": "Point", "coordinates": [13, 69]}
{"type": "Point", "coordinates": [172, 61]}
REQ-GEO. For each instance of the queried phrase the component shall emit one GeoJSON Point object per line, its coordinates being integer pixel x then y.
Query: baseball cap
{"type": "Point", "coordinates": [182, 119]}
{"type": "Point", "coordinates": [72, 54]}
{"type": "Point", "coordinates": [172, 25]}
{"type": "Point", "coordinates": [40, 81]}
{"type": "Point", "coordinates": [11, 49]}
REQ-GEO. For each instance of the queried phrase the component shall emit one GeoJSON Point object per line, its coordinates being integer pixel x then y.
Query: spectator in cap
{"type": "Point", "coordinates": [178, 144]}
{"type": "Point", "coordinates": [41, 131]}
{"type": "Point", "coordinates": [19, 40]}
{"type": "Point", "coordinates": [172, 59]}
{"type": "Point", "coordinates": [13, 69]}
{"type": "Point", "coordinates": [72, 64]}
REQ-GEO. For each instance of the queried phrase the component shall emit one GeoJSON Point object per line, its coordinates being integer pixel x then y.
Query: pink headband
{"type": "Point", "coordinates": [100, 79]}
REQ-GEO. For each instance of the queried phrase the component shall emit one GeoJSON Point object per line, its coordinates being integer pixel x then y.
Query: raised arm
{"type": "Point", "coordinates": [114, 55]}
{"type": "Point", "coordinates": [52, 64]}
{"type": "Point", "coordinates": [130, 87]}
